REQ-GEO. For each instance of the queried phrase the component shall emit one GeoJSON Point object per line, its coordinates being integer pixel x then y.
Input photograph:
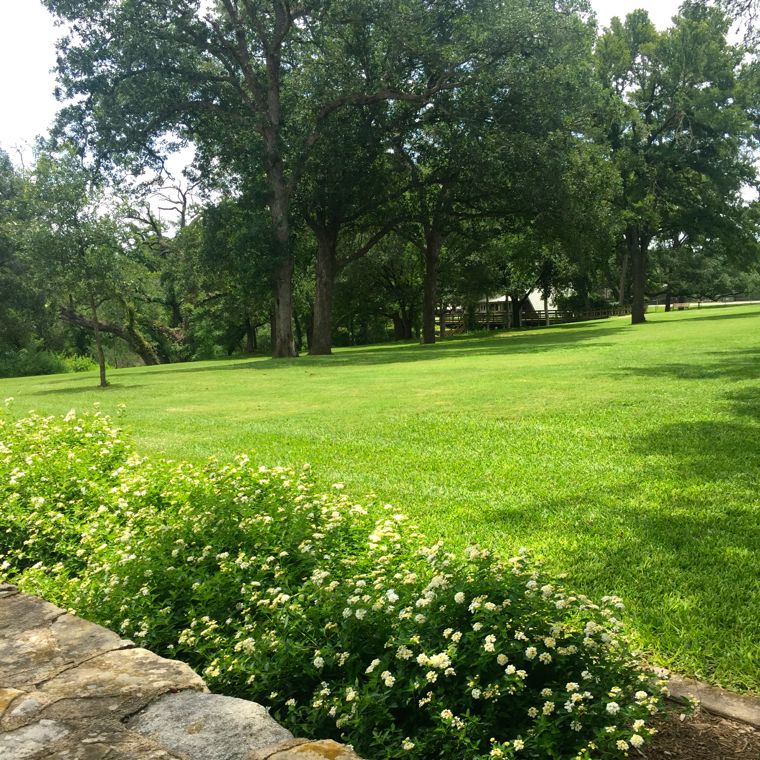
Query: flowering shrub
{"type": "Point", "coordinates": [335, 615]}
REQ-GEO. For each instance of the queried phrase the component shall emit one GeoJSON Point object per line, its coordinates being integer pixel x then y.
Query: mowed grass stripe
{"type": "Point", "coordinates": [628, 457]}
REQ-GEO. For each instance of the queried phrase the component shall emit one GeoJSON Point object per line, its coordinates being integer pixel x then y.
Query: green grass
{"type": "Point", "coordinates": [628, 457]}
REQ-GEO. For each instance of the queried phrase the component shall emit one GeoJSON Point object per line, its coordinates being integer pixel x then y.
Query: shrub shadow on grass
{"type": "Point", "coordinates": [501, 344]}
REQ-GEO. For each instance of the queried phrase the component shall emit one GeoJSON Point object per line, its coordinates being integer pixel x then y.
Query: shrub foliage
{"type": "Point", "coordinates": [336, 615]}
{"type": "Point", "coordinates": [37, 362]}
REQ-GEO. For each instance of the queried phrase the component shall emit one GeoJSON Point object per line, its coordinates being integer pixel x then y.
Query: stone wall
{"type": "Point", "coordinates": [72, 690]}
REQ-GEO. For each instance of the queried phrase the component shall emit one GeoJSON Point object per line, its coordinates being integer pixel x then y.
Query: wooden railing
{"type": "Point", "coordinates": [497, 318]}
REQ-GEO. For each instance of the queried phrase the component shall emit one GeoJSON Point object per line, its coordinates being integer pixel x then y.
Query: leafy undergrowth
{"type": "Point", "coordinates": [335, 614]}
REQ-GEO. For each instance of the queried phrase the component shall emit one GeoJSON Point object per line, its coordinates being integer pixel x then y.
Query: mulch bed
{"type": "Point", "coordinates": [703, 736]}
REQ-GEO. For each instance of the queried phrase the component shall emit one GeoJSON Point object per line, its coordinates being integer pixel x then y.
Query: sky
{"type": "Point", "coordinates": [27, 56]}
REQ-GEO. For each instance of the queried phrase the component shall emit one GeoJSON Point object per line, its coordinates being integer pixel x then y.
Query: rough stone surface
{"type": "Point", "coordinates": [72, 690]}
{"type": "Point", "coordinates": [39, 640]}
{"type": "Point", "coordinates": [6, 699]}
{"type": "Point", "coordinates": [303, 749]}
{"type": "Point", "coordinates": [115, 684]}
{"type": "Point", "coordinates": [208, 726]}
{"type": "Point", "coordinates": [718, 701]}
{"type": "Point", "coordinates": [7, 590]}
{"type": "Point", "coordinates": [30, 741]}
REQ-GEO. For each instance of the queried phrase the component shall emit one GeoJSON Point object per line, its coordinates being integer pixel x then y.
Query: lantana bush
{"type": "Point", "coordinates": [336, 615]}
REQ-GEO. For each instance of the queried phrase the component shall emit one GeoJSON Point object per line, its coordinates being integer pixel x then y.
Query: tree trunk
{"type": "Point", "coordinates": [398, 326]}
{"type": "Point", "coordinates": [546, 309]}
{"type": "Point", "coordinates": [309, 327]}
{"type": "Point", "coordinates": [321, 335]}
{"type": "Point", "coordinates": [250, 336]}
{"type": "Point", "coordinates": [299, 331]}
{"type": "Point", "coordinates": [582, 287]}
{"type": "Point", "coordinates": [98, 343]}
{"type": "Point", "coordinates": [270, 102]}
{"type": "Point", "coordinates": [408, 323]}
{"type": "Point", "coordinates": [176, 319]}
{"type": "Point", "coordinates": [638, 246]}
{"type": "Point", "coordinates": [442, 320]}
{"type": "Point", "coordinates": [623, 277]}
{"type": "Point", "coordinates": [470, 316]}
{"type": "Point", "coordinates": [402, 324]}
{"type": "Point", "coordinates": [138, 343]}
{"type": "Point", "coordinates": [517, 303]}
{"type": "Point", "coordinates": [432, 253]}
{"type": "Point", "coordinates": [284, 343]}
{"type": "Point", "coordinates": [668, 299]}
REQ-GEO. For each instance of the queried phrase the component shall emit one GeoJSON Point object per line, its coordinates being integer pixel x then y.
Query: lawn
{"type": "Point", "coordinates": [627, 457]}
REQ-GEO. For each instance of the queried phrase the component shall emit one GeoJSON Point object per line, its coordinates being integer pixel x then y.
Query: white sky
{"type": "Point", "coordinates": [27, 55]}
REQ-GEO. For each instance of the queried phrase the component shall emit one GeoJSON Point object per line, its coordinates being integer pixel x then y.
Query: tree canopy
{"type": "Point", "coordinates": [364, 169]}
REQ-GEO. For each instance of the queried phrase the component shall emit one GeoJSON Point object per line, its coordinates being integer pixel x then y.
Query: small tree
{"type": "Point", "coordinates": [75, 245]}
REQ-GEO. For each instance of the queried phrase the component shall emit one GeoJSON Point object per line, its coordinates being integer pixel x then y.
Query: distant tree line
{"type": "Point", "coordinates": [361, 165]}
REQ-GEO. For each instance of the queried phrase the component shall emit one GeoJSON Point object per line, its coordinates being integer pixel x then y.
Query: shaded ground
{"type": "Point", "coordinates": [705, 737]}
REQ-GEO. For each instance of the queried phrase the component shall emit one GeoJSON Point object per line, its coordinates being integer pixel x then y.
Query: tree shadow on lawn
{"type": "Point", "coordinates": [683, 560]}
{"type": "Point", "coordinates": [746, 402]}
{"type": "Point", "coordinates": [728, 365]}
{"type": "Point", "coordinates": [683, 568]}
{"type": "Point", "coordinates": [686, 577]}
{"type": "Point", "coordinates": [696, 463]}
{"type": "Point", "coordinates": [524, 342]}
{"type": "Point", "coordinates": [94, 388]}
{"type": "Point", "coordinates": [706, 451]}
{"type": "Point", "coordinates": [704, 314]}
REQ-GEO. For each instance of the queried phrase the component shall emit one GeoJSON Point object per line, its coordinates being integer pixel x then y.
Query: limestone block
{"type": "Point", "coordinates": [19, 612]}
{"type": "Point", "coordinates": [121, 673]}
{"type": "Point", "coordinates": [105, 740]}
{"type": "Point", "coordinates": [30, 741]}
{"type": "Point", "coordinates": [742, 707]}
{"type": "Point", "coordinates": [303, 749]}
{"type": "Point", "coordinates": [113, 684]}
{"type": "Point", "coordinates": [72, 690]}
{"type": "Point", "coordinates": [208, 726]}
{"type": "Point", "coordinates": [39, 640]}
{"type": "Point", "coordinates": [7, 696]}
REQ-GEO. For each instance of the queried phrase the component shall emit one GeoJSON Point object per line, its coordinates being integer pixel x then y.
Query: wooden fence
{"type": "Point", "coordinates": [498, 318]}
